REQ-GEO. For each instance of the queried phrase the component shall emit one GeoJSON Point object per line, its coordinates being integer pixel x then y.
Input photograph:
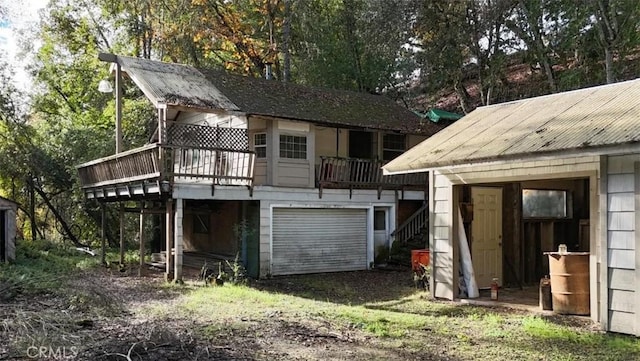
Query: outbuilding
{"type": "Point", "coordinates": [8, 209]}
{"type": "Point", "coordinates": [522, 178]}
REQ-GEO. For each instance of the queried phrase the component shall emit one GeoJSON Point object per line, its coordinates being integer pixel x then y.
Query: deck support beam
{"type": "Point", "coordinates": [169, 240]}
{"type": "Point", "coordinates": [121, 233]}
{"type": "Point", "coordinates": [142, 237]}
{"type": "Point", "coordinates": [178, 239]}
{"type": "Point", "coordinates": [103, 234]}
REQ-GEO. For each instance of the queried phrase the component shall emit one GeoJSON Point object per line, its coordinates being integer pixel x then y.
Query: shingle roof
{"type": "Point", "coordinates": [586, 119]}
{"type": "Point", "coordinates": [183, 85]}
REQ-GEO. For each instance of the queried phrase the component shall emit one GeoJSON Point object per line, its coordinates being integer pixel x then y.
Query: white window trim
{"type": "Point", "coordinates": [305, 136]}
{"type": "Point", "coordinates": [260, 145]}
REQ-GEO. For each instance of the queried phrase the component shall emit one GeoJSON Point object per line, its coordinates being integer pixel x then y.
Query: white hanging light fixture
{"type": "Point", "coordinates": [105, 86]}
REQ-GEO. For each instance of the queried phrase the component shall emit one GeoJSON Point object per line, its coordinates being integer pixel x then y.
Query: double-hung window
{"type": "Point", "coordinates": [293, 146]}
{"type": "Point", "coordinates": [393, 145]}
{"type": "Point", "coordinates": [260, 145]}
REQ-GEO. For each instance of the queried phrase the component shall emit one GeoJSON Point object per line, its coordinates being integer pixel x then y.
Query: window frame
{"type": "Point", "coordinates": [290, 152]}
{"type": "Point", "coordinates": [396, 151]}
{"type": "Point", "coordinates": [257, 146]}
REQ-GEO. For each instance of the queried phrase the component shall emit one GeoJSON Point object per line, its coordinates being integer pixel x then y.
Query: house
{"type": "Point", "coordinates": [8, 209]}
{"type": "Point", "coordinates": [287, 177]}
{"type": "Point", "coordinates": [533, 174]}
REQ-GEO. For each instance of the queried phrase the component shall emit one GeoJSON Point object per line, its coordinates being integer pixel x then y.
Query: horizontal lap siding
{"type": "Point", "coordinates": [293, 173]}
{"type": "Point", "coordinates": [621, 250]}
{"type": "Point", "coordinates": [441, 242]}
{"type": "Point", "coordinates": [309, 240]}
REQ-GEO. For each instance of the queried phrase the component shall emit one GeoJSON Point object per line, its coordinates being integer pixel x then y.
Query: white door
{"type": "Point", "coordinates": [314, 240]}
{"type": "Point", "coordinates": [486, 235]}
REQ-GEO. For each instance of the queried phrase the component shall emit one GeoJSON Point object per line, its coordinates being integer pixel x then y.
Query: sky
{"type": "Point", "coordinates": [22, 16]}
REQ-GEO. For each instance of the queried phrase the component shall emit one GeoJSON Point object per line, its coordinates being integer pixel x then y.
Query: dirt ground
{"type": "Point", "coordinates": [98, 318]}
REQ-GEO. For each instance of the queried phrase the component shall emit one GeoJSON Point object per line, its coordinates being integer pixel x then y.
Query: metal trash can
{"type": "Point", "coordinates": [569, 282]}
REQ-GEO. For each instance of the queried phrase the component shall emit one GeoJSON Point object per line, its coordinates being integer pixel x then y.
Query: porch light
{"type": "Point", "coordinates": [105, 86]}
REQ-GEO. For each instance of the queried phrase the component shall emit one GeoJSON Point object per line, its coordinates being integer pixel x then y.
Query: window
{"type": "Point", "coordinates": [393, 145]}
{"type": "Point", "coordinates": [200, 224]}
{"type": "Point", "coordinates": [540, 203]}
{"type": "Point", "coordinates": [379, 220]}
{"type": "Point", "coordinates": [293, 147]}
{"type": "Point", "coordinates": [260, 145]}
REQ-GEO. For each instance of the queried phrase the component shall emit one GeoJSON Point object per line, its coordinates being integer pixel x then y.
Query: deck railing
{"type": "Point", "coordinates": [364, 173]}
{"type": "Point", "coordinates": [170, 163]}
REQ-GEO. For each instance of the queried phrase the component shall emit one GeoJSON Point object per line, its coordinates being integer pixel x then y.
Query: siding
{"type": "Point", "coordinates": [9, 212]}
{"type": "Point", "coordinates": [621, 249]}
{"type": "Point", "coordinates": [440, 239]}
{"type": "Point", "coordinates": [293, 173]}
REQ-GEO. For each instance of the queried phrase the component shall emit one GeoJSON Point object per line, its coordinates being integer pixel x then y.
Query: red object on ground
{"type": "Point", "coordinates": [418, 257]}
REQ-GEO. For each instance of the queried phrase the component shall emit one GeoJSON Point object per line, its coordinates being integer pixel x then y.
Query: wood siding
{"type": "Point", "coordinates": [621, 239]}
{"type": "Point", "coordinates": [441, 237]}
{"type": "Point", "coordinates": [622, 254]}
{"type": "Point", "coordinates": [9, 209]}
{"type": "Point", "coordinates": [311, 240]}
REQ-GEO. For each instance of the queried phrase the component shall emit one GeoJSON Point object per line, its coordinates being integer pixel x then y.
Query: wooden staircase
{"type": "Point", "coordinates": [413, 226]}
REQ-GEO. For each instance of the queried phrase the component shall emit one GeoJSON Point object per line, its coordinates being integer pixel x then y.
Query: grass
{"type": "Point", "coordinates": [414, 323]}
{"type": "Point", "coordinates": [396, 319]}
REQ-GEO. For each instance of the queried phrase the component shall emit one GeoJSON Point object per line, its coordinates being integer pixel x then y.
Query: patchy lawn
{"type": "Point", "coordinates": [103, 314]}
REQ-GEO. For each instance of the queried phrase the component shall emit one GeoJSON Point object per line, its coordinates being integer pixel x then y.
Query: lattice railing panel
{"type": "Point", "coordinates": [202, 136]}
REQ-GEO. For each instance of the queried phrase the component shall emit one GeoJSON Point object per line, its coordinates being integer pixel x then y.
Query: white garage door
{"type": "Point", "coordinates": [310, 240]}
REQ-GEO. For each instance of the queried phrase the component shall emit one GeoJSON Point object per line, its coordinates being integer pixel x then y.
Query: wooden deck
{"type": "Point", "coordinates": [155, 164]}
{"type": "Point", "coordinates": [351, 173]}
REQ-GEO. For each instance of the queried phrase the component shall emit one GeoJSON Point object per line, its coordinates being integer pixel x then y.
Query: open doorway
{"type": "Point", "coordinates": [361, 144]}
{"type": "Point", "coordinates": [508, 240]}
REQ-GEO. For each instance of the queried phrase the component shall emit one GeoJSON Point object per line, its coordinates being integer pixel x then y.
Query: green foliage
{"type": "Point", "coordinates": [42, 266]}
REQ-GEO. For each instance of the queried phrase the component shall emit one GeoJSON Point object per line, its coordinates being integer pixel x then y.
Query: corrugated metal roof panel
{"type": "Point", "coordinates": [175, 84]}
{"type": "Point", "coordinates": [582, 119]}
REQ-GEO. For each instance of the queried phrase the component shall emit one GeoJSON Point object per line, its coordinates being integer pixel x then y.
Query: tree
{"type": "Point", "coordinates": [616, 22]}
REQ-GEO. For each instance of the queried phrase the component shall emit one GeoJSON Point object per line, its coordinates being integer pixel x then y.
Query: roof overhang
{"type": "Point", "coordinates": [620, 149]}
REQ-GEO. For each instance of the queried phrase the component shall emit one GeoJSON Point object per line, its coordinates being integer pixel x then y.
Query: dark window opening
{"type": "Point", "coordinates": [379, 220]}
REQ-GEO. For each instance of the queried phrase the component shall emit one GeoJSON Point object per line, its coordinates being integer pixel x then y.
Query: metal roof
{"type": "Point", "coordinates": [174, 84]}
{"type": "Point", "coordinates": [183, 85]}
{"type": "Point", "coordinates": [581, 120]}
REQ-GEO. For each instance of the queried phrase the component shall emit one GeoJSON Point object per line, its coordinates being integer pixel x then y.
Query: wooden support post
{"type": "Point", "coordinates": [142, 263]}
{"type": "Point", "coordinates": [103, 234]}
{"type": "Point", "coordinates": [169, 239]}
{"type": "Point", "coordinates": [118, 109]}
{"type": "Point", "coordinates": [121, 233]}
{"type": "Point", "coordinates": [178, 238]}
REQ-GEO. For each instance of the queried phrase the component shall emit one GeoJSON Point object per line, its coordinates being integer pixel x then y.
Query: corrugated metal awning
{"type": "Point", "coordinates": [175, 84]}
{"type": "Point", "coordinates": [581, 120]}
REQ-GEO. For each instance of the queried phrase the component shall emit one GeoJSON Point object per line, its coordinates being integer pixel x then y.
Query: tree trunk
{"type": "Point", "coordinates": [608, 64]}
{"type": "Point", "coordinates": [32, 210]}
{"type": "Point", "coordinates": [63, 223]}
{"type": "Point", "coordinates": [286, 37]}
{"type": "Point", "coordinates": [463, 95]}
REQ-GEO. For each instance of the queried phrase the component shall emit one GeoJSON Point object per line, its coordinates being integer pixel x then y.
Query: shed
{"type": "Point", "coordinates": [8, 209]}
{"type": "Point", "coordinates": [530, 175]}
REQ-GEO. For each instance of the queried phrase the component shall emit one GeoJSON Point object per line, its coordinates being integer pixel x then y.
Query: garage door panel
{"type": "Point", "coordinates": [310, 240]}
